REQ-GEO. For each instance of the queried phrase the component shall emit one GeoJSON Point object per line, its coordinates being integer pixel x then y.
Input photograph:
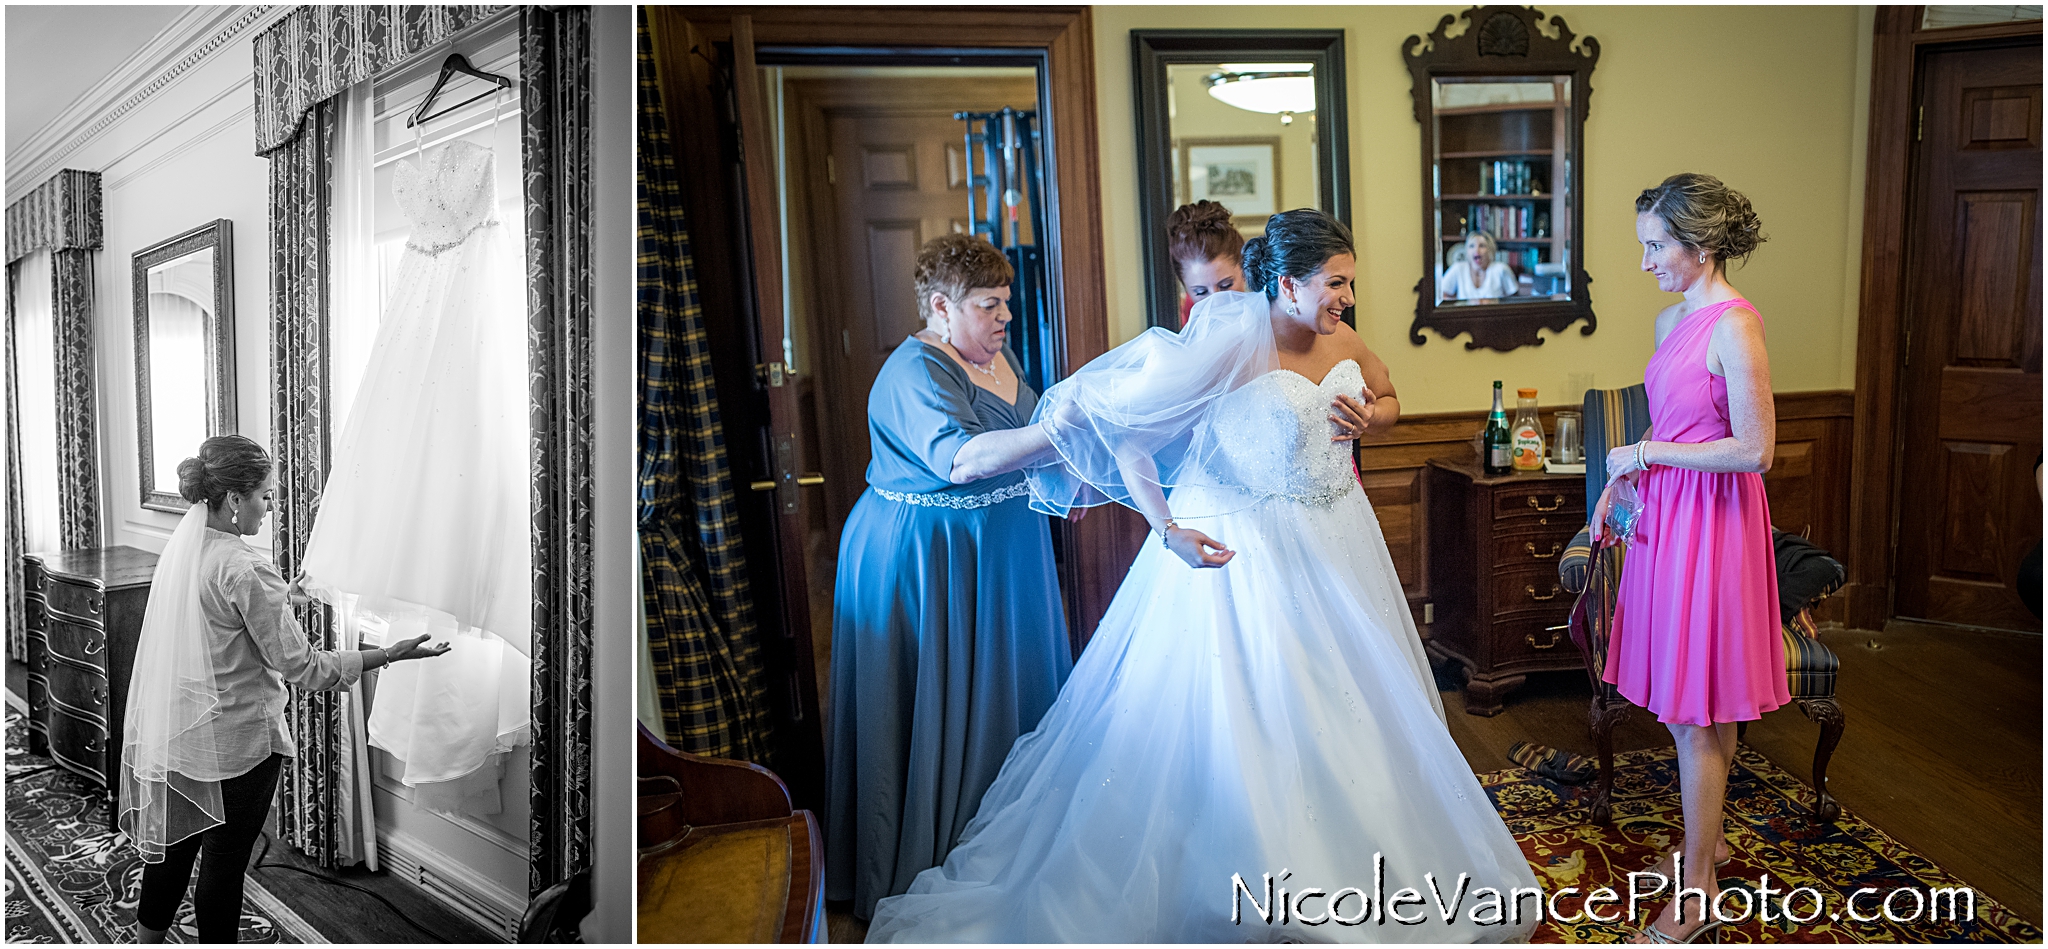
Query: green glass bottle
{"type": "Point", "coordinates": [1497, 458]}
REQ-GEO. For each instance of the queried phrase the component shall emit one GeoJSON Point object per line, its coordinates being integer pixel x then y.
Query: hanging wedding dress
{"type": "Point", "coordinates": [1274, 716]}
{"type": "Point", "coordinates": [423, 525]}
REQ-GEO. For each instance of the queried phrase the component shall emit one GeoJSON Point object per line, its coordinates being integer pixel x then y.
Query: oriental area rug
{"type": "Point", "coordinates": [1771, 832]}
{"type": "Point", "coordinates": [71, 878]}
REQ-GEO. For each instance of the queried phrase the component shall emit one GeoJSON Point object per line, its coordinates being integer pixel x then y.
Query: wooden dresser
{"type": "Point", "coordinates": [84, 614]}
{"type": "Point", "coordinates": [1493, 549]}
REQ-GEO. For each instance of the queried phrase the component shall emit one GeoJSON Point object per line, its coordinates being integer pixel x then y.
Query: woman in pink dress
{"type": "Point", "coordinates": [1696, 636]}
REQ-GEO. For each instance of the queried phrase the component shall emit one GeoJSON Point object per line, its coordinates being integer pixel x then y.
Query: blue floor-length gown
{"type": "Point", "coordinates": [948, 638]}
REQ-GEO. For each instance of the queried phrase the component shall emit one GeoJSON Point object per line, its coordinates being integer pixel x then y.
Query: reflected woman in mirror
{"type": "Point", "coordinates": [1206, 250]}
{"type": "Point", "coordinates": [948, 637]}
{"type": "Point", "coordinates": [1696, 637]}
{"type": "Point", "coordinates": [1477, 273]}
{"type": "Point", "coordinates": [205, 733]}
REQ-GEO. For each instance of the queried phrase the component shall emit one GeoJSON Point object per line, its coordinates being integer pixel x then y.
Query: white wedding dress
{"type": "Point", "coordinates": [1276, 715]}
{"type": "Point", "coordinates": [423, 525]}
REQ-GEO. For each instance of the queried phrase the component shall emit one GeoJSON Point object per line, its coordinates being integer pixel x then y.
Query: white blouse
{"type": "Point", "coordinates": [1457, 282]}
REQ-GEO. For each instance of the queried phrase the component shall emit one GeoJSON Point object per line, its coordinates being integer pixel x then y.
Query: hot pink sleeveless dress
{"type": "Point", "coordinates": [1696, 632]}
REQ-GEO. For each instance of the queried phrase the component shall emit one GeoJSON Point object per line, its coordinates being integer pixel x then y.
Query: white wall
{"type": "Point", "coordinates": [181, 158]}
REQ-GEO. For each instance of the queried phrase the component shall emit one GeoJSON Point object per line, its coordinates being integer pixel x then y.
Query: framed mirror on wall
{"type": "Point", "coordinates": [184, 353]}
{"type": "Point", "coordinates": [1502, 104]}
{"type": "Point", "coordinates": [1251, 119]}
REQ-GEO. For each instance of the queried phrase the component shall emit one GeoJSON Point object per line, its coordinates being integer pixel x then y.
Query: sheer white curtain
{"type": "Point", "coordinates": [35, 365]}
{"type": "Point", "coordinates": [354, 305]}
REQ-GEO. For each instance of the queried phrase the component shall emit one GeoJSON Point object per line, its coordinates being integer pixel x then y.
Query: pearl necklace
{"type": "Point", "coordinates": [988, 370]}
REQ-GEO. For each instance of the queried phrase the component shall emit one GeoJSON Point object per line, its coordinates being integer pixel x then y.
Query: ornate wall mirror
{"type": "Point", "coordinates": [1252, 119]}
{"type": "Point", "coordinates": [1503, 110]}
{"type": "Point", "coordinates": [184, 353]}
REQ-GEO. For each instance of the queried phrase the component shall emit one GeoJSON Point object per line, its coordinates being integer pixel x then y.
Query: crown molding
{"type": "Point", "coordinates": [197, 33]}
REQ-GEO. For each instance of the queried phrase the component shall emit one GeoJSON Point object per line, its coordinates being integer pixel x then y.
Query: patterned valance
{"type": "Point", "coordinates": [62, 213]}
{"type": "Point", "coordinates": [317, 51]}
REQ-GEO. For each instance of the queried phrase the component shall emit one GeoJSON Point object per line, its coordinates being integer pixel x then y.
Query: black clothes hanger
{"type": "Point", "coordinates": [455, 63]}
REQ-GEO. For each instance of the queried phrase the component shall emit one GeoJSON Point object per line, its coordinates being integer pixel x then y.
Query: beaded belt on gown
{"type": "Point", "coordinates": [965, 502]}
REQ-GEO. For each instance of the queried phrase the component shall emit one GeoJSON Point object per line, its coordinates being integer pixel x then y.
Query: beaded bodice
{"type": "Point", "coordinates": [1273, 436]}
{"type": "Point", "coordinates": [447, 197]}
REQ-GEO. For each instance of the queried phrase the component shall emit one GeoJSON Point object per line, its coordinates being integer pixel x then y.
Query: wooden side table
{"type": "Point", "coordinates": [84, 617]}
{"type": "Point", "coordinates": [1494, 543]}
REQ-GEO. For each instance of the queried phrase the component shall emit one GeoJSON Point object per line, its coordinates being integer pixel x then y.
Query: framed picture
{"type": "Point", "coordinates": [1242, 174]}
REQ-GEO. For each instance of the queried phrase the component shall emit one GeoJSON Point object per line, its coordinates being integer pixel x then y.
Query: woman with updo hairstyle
{"type": "Point", "coordinates": [948, 637]}
{"type": "Point", "coordinates": [205, 734]}
{"type": "Point", "coordinates": [1206, 250]}
{"type": "Point", "coordinates": [1266, 708]}
{"type": "Point", "coordinates": [1696, 637]}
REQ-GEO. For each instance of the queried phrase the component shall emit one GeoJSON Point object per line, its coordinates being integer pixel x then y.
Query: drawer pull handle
{"type": "Point", "coordinates": [95, 744]}
{"type": "Point", "coordinates": [92, 603]}
{"type": "Point", "coordinates": [1555, 634]}
{"type": "Point", "coordinates": [1552, 595]}
{"type": "Point", "coordinates": [1555, 546]}
{"type": "Point", "coordinates": [98, 694]}
{"type": "Point", "coordinates": [93, 645]}
{"type": "Point", "coordinates": [1558, 503]}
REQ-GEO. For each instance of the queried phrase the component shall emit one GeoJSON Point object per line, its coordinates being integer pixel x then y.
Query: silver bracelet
{"type": "Point", "coordinates": [1641, 465]}
{"type": "Point", "coordinates": [1165, 530]}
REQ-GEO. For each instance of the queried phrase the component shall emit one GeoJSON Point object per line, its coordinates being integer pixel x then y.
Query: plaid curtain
{"type": "Point", "coordinates": [700, 618]}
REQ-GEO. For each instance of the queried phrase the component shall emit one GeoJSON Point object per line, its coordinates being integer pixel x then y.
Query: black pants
{"type": "Point", "coordinates": [217, 902]}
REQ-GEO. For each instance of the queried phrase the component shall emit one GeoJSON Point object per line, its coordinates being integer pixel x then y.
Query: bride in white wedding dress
{"type": "Point", "coordinates": [423, 524]}
{"type": "Point", "coordinates": [1274, 716]}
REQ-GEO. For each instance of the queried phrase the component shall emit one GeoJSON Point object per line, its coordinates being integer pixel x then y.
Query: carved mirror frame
{"type": "Point", "coordinates": [220, 343]}
{"type": "Point", "coordinates": [1503, 41]}
{"type": "Point", "coordinates": [1154, 50]}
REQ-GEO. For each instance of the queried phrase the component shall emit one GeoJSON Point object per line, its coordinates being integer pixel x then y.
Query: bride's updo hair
{"type": "Point", "coordinates": [225, 463]}
{"type": "Point", "coordinates": [1296, 243]}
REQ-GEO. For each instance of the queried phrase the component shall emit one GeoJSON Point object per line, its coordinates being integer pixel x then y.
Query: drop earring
{"type": "Point", "coordinates": [235, 517]}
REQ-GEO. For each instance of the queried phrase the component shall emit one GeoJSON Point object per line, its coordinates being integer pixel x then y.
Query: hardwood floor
{"type": "Point", "coordinates": [341, 914]}
{"type": "Point", "coordinates": [1942, 748]}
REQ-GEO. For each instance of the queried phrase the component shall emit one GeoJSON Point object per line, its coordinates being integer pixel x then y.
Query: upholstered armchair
{"type": "Point", "coordinates": [1620, 417]}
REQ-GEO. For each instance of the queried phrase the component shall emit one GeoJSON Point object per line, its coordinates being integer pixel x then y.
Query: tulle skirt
{"type": "Point", "coordinates": [423, 525]}
{"type": "Point", "coordinates": [1275, 716]}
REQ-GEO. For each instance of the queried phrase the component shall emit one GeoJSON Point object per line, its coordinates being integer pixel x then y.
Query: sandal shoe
{"type": "Point", "coordinates": [1709, 931]}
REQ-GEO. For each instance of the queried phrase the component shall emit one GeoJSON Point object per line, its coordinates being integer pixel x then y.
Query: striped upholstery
{"type": "Point", "coordinates": [1620, 417]}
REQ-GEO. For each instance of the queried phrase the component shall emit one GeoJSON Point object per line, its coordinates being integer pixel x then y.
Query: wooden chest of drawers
{"type": "Point", "coordinates": [84, 613]}
{"type": "Point", "coordinates": [1494, 543]}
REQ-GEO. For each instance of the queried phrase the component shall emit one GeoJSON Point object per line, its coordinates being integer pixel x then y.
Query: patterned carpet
{"type": "Point", "coordinates": [1770, 833]}
{"type": "Point", "coordinates": [73, 879]}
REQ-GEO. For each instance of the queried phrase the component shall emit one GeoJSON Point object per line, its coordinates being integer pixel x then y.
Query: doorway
{"type": "Point", "coordinates": [1945, 500]}
{"type": "Point", "coordinates": [1973, 340]}
{"type": "Point", "coordinates": [872, 162]}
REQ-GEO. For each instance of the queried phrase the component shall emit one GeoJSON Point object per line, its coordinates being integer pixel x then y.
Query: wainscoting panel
{"type": "Point", "coordinates": [1808, 484]}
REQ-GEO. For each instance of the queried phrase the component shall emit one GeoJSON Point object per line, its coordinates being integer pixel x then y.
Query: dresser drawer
{"type": "Point", "coordinates": [79, 744]}
{"type": "Point", "coordinates": [32, 577]}
{"type": "Point", "coordinates": [87, 645]}
{"type": "Point", "coordinates": [1530, 550]}
{"type": "Point", "coordinates": [1532, 639]}
{"type": "Point", "coordinates": [1548, 505]}
{"type": "Point", "coordinates": [79, 690]}
{"type": "Point", "coordinates": [77, 602]}
{"type": "Point", "coordinates": [1530, 589]}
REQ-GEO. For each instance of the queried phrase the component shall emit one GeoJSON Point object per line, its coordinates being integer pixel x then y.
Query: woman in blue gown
{"type": "Point", "coordinates": [948, 637]}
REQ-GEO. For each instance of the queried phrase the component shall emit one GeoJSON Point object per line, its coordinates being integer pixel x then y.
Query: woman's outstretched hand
{"type": "Point", "coordinates": [1189, 545]}
{"type": "Point", "coordinates": [1352, 416]}
{"type": "Point", "coordinates": [412, 649]}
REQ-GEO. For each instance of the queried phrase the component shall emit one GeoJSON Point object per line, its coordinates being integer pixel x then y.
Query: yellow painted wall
{"type": "Point", "coordinates": [1771, 99]}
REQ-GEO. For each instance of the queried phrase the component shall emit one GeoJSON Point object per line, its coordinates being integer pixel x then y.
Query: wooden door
{"type": "Point", "coordinates": [892, 160]}
{"type": "Point", "coordinates": [1972, 395]}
